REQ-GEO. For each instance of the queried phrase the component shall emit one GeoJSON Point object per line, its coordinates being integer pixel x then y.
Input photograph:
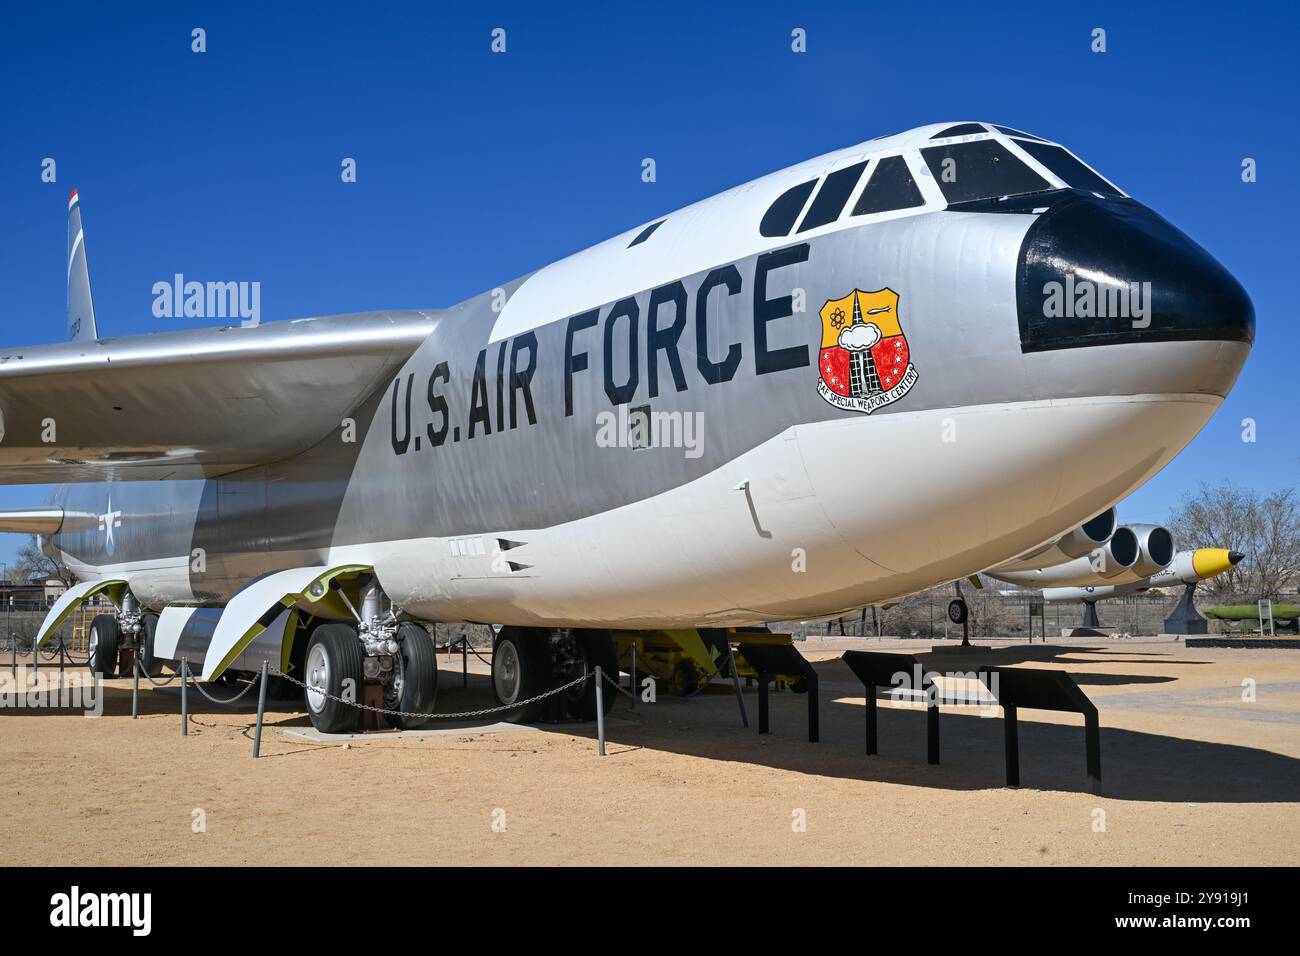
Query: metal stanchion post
{"type": "Point", "coordinates": [261, 710]}
{"type": "Point", "coordinates": [13, 664]}
{"type": "Point", "coordinates": [633, 680]}
{"type": "Point", "coordinates": [60, 660]}
{"type": "Point", "coordinates": [135, 687]}
{"type": "Point", "coordinates": [735, 683]}
{"type": "Point", "coordinates": [600, 711]}
{"type": "Point", "coordinates": [1012, 744]}
{"type": "Point", "coordinates": [464, 661]}
{"type": "Point", "coordinates": [185, 705]}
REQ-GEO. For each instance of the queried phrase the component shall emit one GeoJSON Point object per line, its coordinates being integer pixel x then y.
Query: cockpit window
{"type": "Point", "coordinates": [1062, 164]}
{"type": "Point", "coordinates": [890, 187]}
{"type": "Point", "coordinates": [984, 169]}
{"type": "Point", "coordinates": [780, 216]}
{"type": "Point", "coordinates": [961, 129]}
{"type": "Point", "coordinates": [1015, 132]}
{"type": "Point", "coordinates": [832, 197]}
{"type": "Point", "coordinates": [645, 233]}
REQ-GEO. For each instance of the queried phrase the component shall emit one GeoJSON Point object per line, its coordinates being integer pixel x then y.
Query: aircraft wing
{"type": "Point", "coordinates": [192, 404]}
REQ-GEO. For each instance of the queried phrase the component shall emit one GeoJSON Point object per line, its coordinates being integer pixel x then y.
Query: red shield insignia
{"type": "Point", "coordinates": [865, 359]}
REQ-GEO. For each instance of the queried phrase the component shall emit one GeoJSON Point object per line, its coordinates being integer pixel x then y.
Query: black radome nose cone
{"type": "Point", "coordinates": [1235, 557]}
{"type": "Point", "coordinates": [1107, 271]}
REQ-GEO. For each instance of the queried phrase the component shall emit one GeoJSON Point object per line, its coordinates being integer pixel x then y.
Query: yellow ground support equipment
{"type": "Point", "coordinates": [685, 661]}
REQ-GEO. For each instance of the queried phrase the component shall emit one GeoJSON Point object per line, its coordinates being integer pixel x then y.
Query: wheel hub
{"type": "Point", "coordinates": [506, 671]}
{"type": "Point", "coordinates": [318, 676]}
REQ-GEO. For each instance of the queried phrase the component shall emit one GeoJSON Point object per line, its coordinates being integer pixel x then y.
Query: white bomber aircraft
{"type": "Point", "coordinates": [881, 369]}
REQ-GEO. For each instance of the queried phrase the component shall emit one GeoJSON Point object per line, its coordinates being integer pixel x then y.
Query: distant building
{"type": "Point", "coordinates": [32, 596]}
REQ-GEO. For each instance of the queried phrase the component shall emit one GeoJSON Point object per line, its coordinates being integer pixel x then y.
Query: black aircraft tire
{"type": "Point", "coordinates": [334, 657]}
{"type": "Point", "coordinates": [598, 649]}
{"type": "Point", "coordinates": [419, 664]}
{"type": "Point", "coordinates": [148, 663]}
{"type": "Point", "coordinates": [521, 668]}
{"type": "Point", "coordinates": [105, 638]}
{"type": "Point", "coordinates": [957, 611]}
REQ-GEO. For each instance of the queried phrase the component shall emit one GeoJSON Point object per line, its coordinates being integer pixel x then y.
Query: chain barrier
{"type": "Point", "coordinates": [56, 651]}
{"type": "Point", "coordinates": [464, 715]}
{"type": "Point", "coordinates": [474, 650]}
{"type": "Point", "coordinates": [613, 682]}
{"type": "Point", "coordinates": [193, 682]}
{"type": "Point", "coordinates": [159, 683]}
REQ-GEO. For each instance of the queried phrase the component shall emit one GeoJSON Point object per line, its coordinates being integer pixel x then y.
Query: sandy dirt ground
{"type": "Point", "coordinates": [1195, 772]}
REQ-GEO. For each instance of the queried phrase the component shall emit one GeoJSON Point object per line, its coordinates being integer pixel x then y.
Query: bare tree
{"type": "Point", "coordinates": [1266, 529]}
{"type": "Point", "coordinates": [908, 618]}
{"type": "Point", "coordinates": [1277, 543]}
{"type": "Point", "coordinates": [32, 563]}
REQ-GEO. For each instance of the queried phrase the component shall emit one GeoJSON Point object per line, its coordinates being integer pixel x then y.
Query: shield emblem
{"type": "Point", "coordinates": [865, 360]}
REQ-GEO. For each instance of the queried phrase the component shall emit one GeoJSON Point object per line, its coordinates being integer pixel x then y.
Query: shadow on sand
{"type": "Point", "coordinates": [1135, 765]}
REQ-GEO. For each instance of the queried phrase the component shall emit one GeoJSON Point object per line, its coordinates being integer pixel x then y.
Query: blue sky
{"type": "Point", "coordinates": [475, 167]}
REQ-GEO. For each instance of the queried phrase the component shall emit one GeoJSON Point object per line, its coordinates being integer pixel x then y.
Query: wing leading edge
{"type": "Point", "coordinates": [192, 404]}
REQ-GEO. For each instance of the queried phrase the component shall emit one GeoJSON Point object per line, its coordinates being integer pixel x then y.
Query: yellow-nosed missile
{"type": "Point", "coordinates": [1187, 567]}
{"type": "Point", "coordinates": [1209, 562]}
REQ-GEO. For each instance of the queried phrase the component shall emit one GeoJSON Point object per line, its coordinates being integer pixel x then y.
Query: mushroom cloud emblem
{"type": "Point", "coordinates": [865, 360]}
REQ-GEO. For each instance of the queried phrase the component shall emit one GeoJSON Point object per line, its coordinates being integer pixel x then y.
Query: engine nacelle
{"type": "Point", "coordinates": [1155, 551]}
{"type": "Point", "coordinates": [1077, 543]}
{"type": "Point", "coordinates": [1103, 565]}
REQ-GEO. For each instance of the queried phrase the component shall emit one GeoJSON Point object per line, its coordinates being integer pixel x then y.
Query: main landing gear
{"type": "Point", "coordinates": [343, 659]}
{"type": "Point", "coordinates": [528, 661]}
{"type": "Point", "coordinates": [131, 630]}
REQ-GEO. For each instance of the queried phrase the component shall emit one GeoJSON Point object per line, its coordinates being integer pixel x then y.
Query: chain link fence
{"type": "Point", "coordinates": [19, 626]}
{"type": "Point", "coordinates": [998, 612]}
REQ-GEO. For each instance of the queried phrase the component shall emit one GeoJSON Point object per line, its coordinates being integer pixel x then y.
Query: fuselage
{"type": "Point", "coordinates": [744, 413]}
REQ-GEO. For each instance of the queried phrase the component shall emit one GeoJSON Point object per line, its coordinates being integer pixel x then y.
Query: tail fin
{"type": "Point", "coordinates": [81, 308]}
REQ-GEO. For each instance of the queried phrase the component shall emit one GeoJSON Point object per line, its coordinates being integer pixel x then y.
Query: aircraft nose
{"type": "Point", "coordinates": [1235, 557]}
{"type": "Point", "coordinates": [1106, 271]}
